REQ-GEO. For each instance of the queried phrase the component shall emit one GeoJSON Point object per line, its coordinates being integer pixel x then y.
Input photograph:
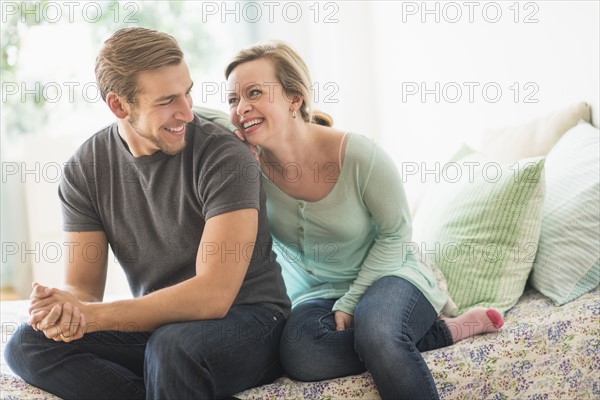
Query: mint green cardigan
{"type": "Point", "coordinates": [335, 248]}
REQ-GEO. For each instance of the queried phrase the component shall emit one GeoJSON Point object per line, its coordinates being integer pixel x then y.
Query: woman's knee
{"type": "Point", "coordinates": [380, 317]}
{"type": "Point", "coordinates": [376, 314]}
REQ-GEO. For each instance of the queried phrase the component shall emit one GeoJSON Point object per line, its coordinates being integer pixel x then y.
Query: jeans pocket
{"type": "Point", "coordinates": [327, 321]}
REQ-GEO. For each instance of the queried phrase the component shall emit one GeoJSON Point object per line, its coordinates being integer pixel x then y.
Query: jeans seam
{"type": "Point", "coordinates": [409, 312]}
{"type": "Point", "coordinates": [261, 376]}
{"type": "Point", "coordinates": [422, 361]}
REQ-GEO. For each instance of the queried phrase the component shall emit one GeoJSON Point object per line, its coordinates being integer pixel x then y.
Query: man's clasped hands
{"type": "Point", "coordinates": [57, 313]}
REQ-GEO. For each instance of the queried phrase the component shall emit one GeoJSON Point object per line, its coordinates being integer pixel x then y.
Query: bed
{"type": "Point", "coordinates": [542, 352]}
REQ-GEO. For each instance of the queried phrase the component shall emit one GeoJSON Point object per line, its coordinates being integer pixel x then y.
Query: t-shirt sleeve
{"type": "Point", "coordinates": [391, 214]}
{"type": "Point", "coordinates": [79, 213]}
{"type": "Point", "coordinates": [229, 178]}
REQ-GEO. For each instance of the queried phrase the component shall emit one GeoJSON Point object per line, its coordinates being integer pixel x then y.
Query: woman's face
{"type": "Point", "coordinates": [257, 102]}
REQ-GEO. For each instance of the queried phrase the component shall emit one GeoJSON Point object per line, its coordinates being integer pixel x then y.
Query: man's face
{"type": "Point", "coordinates": [162, 108]}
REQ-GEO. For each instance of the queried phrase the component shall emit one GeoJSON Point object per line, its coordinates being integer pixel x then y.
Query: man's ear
{"type": "Point", "coordinates": [117, 105]}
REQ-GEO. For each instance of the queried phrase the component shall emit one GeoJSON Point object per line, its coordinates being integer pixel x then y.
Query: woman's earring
{"type": "Point", "coordinates": [294, 114]}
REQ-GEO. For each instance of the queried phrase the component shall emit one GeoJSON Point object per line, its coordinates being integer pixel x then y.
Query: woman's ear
{"type": "Point", "coordinates": [117, 106]}
{"type": "Point", "coordinates": [297, 101]}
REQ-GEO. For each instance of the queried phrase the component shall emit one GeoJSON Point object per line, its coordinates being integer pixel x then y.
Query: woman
{"type": "Point", "coordinates": [340, 221]}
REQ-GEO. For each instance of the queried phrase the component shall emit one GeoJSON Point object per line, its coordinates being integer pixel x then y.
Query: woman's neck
{"type": "Point", "coordinates": [297, 146]}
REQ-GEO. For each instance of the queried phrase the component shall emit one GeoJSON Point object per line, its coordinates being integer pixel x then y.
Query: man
{"type": "Point", "coordinates": [179, 201]}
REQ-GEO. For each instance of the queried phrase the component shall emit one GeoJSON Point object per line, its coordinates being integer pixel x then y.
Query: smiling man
{"type": "Point", "coordinates": [172, 196]}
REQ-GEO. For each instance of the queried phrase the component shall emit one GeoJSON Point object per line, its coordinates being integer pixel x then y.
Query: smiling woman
{"type": "Point", "coordinates": [253, 96]}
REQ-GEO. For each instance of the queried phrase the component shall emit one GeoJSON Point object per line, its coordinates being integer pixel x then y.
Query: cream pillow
{"type": "Point", "coordinates": [536, 138]}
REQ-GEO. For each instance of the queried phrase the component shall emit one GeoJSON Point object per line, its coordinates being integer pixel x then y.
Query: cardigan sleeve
{"type": "Point", "coordinates": [384, 196]}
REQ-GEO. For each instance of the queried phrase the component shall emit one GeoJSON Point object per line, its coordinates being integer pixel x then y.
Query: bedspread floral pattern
{"type": "Point", "coordinates": [542, 352]}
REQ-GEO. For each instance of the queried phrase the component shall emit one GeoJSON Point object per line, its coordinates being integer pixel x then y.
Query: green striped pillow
{"type": "Point", "coordinates": [480, 225]}
{"type": "Point", "coordinates": [567, 263]}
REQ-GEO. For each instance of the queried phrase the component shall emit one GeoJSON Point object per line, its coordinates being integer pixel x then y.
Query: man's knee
{"type": "Point", "coordinates": [174, 342]}
{"type": "Point", "coordinates": [20, 350]}
{"type": "Point", "coordinates": [162, 343]}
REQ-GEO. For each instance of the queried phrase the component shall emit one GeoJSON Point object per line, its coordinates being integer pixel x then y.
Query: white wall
{"type": "Point", "coordinates": [362, 54]}
{"type": "Point", "coordinates": [47, 250]}
{"type": "Point", "coordinates": [337, 42]}
{"type": "Point", "coordinates": [379, 52]}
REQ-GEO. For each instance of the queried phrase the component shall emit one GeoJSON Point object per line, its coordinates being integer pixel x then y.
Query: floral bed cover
{"type": "Point", "coordinates": [542, 352]}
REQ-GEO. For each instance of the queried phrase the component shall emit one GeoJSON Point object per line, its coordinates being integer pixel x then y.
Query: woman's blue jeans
{"type": "Point", "coordinates": [393, 322]}
{"type": "Point", "coordinates": [189, 360]}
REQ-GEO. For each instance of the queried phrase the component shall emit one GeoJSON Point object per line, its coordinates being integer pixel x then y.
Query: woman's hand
{"type": "Point", "coordinates": [252, 147]}
{"type": "Point", "coordinates": [343, 320]}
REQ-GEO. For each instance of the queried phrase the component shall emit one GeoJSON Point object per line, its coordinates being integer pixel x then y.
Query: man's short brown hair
{"type": "Point", "coordinates": [130, 51]}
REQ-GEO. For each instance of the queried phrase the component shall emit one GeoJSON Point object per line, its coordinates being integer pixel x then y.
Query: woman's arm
{"type": "Point", "coordinates": [391, 213]}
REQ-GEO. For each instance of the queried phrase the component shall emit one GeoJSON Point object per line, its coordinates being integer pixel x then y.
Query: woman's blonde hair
{"type": "Point", "coordinates": [291, 73]}
{"type": "Point", "coordinates": [128, 52]}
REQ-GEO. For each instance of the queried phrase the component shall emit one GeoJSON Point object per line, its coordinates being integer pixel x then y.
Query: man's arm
{"type": "Point", "coordinates": [86, 267]}
{"type": "Point", "coordinates": [85, 279]}
{"type": "Point", "coordinates": [85, 274]}
{"type": "Point", "coordinates": [222, 260]}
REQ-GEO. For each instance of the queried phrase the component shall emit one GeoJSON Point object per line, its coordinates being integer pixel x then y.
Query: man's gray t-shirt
{"type": "Point", "coordinates": [153, 208]}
